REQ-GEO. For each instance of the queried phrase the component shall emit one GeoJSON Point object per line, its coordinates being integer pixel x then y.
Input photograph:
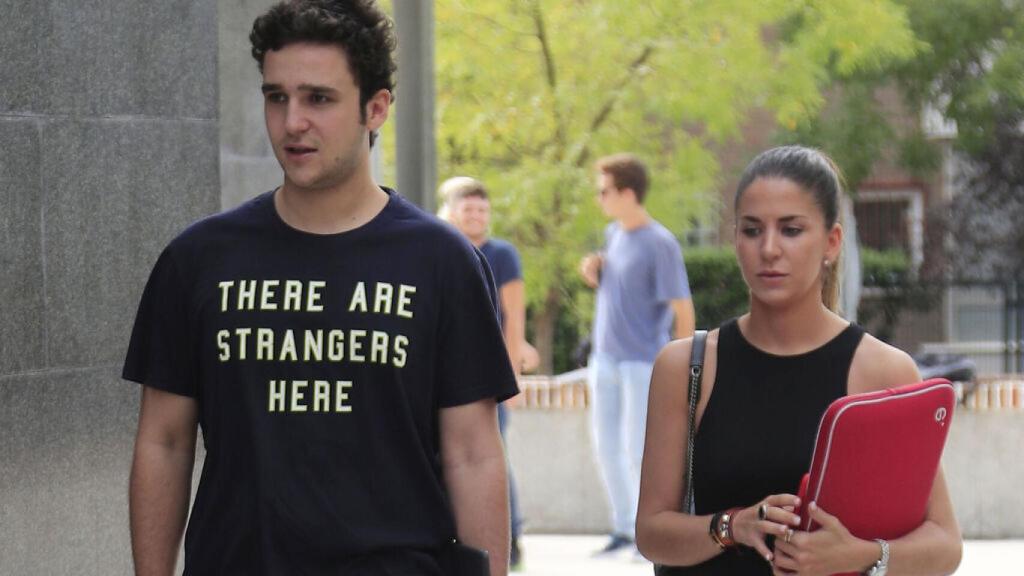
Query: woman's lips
{"type": "Point", "coordinates": [771, 276]}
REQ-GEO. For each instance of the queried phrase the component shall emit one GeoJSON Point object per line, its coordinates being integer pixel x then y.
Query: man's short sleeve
{"type": "Point", "coordinates": [506, 265]}
{"type": "Point", "coordinates": [473, 362]}
{"type": "Point", "coordinates": [670, 279]}
{"type": "Point", "coordinates": [162, 351]}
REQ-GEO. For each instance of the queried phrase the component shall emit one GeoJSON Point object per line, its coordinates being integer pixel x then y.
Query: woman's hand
{"type": "Point", "coordinates": [829, 550]}
{"type": "Point", "coordinates": [773, 515]}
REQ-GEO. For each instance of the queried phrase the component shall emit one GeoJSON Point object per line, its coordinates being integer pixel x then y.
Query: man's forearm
{"type": "Point", "coordinates": [158, 495]}
{"type": "Point", "coordinates": [513, 309]}
{"type": "Point", "coordinates": [479, 492]}
{"type": "Point", "coordinates": [685, 318]}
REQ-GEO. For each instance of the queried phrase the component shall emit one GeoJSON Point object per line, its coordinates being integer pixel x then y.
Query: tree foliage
{"type": "Point", "coordinates": [530, 92]}
{"type": "Point", "coordinates": [968, 70]}
{"type": "Point", "coordinates": [983, 220]}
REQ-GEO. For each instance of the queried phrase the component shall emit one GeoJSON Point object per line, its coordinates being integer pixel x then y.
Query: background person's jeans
{"type": "Point", "coordinates": [618, 392]}
{"type": "Point", "coordinates": [513, 498]}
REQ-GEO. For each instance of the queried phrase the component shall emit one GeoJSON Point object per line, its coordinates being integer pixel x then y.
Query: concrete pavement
{"type": "Point", "coordinates": [557, 555]}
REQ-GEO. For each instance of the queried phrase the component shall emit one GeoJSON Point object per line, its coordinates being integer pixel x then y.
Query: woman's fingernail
{"type": "Point", "coordinates": [768, 556]}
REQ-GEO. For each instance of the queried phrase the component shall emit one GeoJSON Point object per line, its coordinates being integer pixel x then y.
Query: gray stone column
{"type": "Point", "coordinates": [247, 164]}
{"type": "Point", "coordinates": [108, 148]}
{"type": "Point", "coordinates": [415, 148]}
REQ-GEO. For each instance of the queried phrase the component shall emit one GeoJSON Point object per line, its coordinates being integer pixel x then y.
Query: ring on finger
{"type": "Point", "coordinates": [789, 535]}
{"type": "Point", "coordinates": [762, 512]}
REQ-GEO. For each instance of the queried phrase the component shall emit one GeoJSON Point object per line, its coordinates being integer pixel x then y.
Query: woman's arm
{"type": "Point", "coordinates": [664, 534]}
{"type": "Point", "coordinates": [935, 547]}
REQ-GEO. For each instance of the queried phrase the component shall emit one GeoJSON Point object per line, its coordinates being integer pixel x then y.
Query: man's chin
{"type": "Point", "coordinates": [306, 184]}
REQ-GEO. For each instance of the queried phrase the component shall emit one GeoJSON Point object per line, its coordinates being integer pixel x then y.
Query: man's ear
{"type": "Point", "coordinates": [377, 109]}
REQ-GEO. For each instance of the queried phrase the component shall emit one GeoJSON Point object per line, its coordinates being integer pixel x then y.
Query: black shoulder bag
{"type": "Point", "coordinates": [696, 371]}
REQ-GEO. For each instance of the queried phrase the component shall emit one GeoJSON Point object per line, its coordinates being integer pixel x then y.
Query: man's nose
{"type": "Point", "coordinates": [296, 120]}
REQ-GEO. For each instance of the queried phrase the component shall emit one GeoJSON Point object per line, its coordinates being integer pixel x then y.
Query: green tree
{"type": "Point", "coordinates": [973, 73]}
{"type": "Point", "coordinates": [529, 92]}
{"type": "Point", "coordinates": [969, 68]}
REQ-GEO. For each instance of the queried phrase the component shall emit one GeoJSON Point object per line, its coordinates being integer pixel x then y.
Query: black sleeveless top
{"type": "Point", "coordinates": [757, 433]}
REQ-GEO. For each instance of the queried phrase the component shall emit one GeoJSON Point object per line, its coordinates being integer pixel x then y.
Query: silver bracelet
{"type": "Point", "coordinates": [881, 566]}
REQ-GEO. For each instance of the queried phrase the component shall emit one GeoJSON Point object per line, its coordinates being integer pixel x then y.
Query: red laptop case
{"type": "Point", "coordinates": [876, 456]}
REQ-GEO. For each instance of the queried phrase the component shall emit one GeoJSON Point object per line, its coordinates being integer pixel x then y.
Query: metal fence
{"type": "Point", "coordinates": [983, 321]}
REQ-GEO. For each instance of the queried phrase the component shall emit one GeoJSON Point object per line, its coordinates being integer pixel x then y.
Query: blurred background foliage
{"type": "Point", "coordinates": [531, 92]}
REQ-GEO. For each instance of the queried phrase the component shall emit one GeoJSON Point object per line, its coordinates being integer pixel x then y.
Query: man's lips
{"type": "Point", "coordinates": [298, 150]}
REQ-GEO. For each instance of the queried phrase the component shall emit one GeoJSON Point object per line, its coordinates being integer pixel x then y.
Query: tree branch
{"type": "Point", "coordinates": [606, 109]}
{"type": "Point", "coordinates": [551, 73]}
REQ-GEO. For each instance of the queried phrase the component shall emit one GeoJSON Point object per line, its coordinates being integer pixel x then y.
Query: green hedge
{"type": "Point", "coordinates": [884, 268]}
{"type": "Point", "coordinates": [719, 292]}
{"type": "Point", "coordinates": [898, 292]}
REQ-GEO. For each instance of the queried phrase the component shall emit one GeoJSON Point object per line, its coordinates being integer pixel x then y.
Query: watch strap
{"type": "Point", "coordinates": [720, 528]}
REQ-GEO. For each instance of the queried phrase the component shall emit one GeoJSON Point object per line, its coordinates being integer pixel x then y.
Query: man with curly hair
{"type": "Point", "coordinates": [338, 347]}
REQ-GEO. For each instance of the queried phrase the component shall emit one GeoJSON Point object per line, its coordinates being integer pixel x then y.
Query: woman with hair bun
{"type": "Point", "coordinates": [768, 377]}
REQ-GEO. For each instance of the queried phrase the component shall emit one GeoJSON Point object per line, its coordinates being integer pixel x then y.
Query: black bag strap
{"type": "Point", "coordinates": [696, 371]}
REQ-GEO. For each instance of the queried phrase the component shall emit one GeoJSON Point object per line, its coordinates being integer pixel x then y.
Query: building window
{"type": "Point", "coordinates": [891, 220]}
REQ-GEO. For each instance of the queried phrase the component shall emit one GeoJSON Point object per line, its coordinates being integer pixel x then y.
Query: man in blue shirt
{"type": "Point", "coordinates": [468, 207]}
{"type": "Point", "coordinates": [643, 298]}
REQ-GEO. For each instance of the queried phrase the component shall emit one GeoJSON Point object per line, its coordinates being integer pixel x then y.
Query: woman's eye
{"type": "Point", "coordinates": [750, 232]}
{"type": "Point", "coordinates": [792, 230]}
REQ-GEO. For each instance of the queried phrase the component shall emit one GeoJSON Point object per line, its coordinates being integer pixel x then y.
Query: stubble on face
{"type": "Point", "coordinates": [314, 118]}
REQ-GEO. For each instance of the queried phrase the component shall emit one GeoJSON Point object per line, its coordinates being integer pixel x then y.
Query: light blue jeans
{"type": "Point", "coordinates": [618, 418]}
{"type": "Point", "coordinates": [513, 496]}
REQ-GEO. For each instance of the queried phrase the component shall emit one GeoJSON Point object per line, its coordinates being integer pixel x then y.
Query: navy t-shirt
{"type": "Point", "coordinates": [319, 363]}
{"type": "Point", "coordinates": [504, 262]}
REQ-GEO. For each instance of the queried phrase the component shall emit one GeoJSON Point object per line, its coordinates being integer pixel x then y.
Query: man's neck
{"type": "Point", "coordinates": [633, 218]}
{"type": "Point", "coordinates": [331, 210]}
{"type": "Point", "coordinates": [478, 241]}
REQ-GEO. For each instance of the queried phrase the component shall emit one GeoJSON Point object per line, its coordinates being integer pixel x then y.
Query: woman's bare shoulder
{"type": "Point", "coordinates": [877, 365]}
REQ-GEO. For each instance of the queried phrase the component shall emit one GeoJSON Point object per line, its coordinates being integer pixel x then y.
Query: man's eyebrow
{"type": "Point", "coordinates": [316, 88]}
{"type": "Point", "coordinates": [302, 87]}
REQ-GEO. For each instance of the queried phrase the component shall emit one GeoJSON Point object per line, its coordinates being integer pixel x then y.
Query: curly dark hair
{"type": "Point", "coordinates": [359, 27]}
